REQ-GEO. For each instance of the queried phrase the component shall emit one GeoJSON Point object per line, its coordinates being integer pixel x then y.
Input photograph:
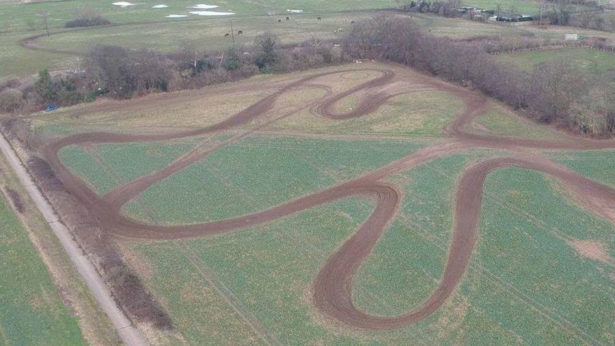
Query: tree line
{"type": "Point", "coordinates": [123, 73]}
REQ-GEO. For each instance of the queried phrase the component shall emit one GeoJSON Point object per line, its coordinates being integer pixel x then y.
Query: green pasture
{"type": "Point", "coordinates": [31, 309]}
{"type": "Point", "coordinates": [17, 16]}
{"type": "Point", "coordinates": [205, 34]}
{"type": "Point", "coordinates": [105, 166]}
{"type": "Point", "coordinates": [216, 187]}
{"type": "Point", "coordinates": [591, 60]}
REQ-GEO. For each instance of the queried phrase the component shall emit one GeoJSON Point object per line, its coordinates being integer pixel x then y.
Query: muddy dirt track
{"type": "Point", "coordinates": [332, 287]}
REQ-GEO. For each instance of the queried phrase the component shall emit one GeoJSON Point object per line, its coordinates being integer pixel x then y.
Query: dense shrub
{"type": "Point", "coordinates": [11, 100]}
{"type": "Point", "coordinates": [86, 18]}
{"type": "Point", "coordinates": [62, 90]}
{"type": "Point", "coordinates": [266, 51]}
{"type": "Point", "coordinates": [123, 73]}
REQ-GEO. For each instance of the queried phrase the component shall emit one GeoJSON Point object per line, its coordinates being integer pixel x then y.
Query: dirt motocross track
{"type": "Point", "coordinates": [332, 287]}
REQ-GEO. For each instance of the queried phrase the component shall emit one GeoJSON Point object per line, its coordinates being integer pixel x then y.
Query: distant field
{"type": "Point", "coordinates": [252, 167]}
{"type": "Point", "coordinates": [590, 59]}
{"type": "Point", "coordinates": [31, 311]}
{"type": "Point", "coordinates": [515, 6]}
{"type": "Point", "coordinates": [155, 31]}
{"type": "Point", "coordinates": [206, 34]}
{"type": "Point", "coordinates": [420, 113]}
{"type": "Point", "coordinates": [16, 16]}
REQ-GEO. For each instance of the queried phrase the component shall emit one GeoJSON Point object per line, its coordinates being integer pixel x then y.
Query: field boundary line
{"type": "Point", "coordinates": [129, 334]}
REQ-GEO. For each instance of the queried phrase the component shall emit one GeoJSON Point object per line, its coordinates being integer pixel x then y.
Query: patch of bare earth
{"type": "Point", "coordinates": [593, 250]}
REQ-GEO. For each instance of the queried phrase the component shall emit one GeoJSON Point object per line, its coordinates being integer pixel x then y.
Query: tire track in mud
{"type": "Point", "coordinates": [333, 284]}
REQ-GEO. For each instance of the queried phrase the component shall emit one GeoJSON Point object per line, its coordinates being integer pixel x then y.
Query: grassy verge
{"type": "Point", "coordinates": [32, 310]}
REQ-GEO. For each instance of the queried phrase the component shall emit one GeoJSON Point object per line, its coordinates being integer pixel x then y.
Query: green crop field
{"type": "Point", "coordinates": [503, 298]}
{"type": "Point", "coordinates": [598, 165]}
{"type": "Point", "coordinates": [31, 310]}
{"type": "Point", "coordinates": [507, 294]}
{"type": "Point", "coordinates": [542, 271]}
{"type": "Point", "coordinates": [216, 188]}
{"type": "Point", "coordinates": [589, 59]}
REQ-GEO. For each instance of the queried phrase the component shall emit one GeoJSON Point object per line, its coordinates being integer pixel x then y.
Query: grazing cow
{"type": "Point", "coordinates": [279, 21]}
{"type": "Point", "coordinates": [227, 35]}
{"type": "Point", "coordinates": [239, 32]}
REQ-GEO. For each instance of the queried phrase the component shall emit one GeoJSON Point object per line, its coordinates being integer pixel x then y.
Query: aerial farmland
{"type": "Point", "coordinates": [306, 172]}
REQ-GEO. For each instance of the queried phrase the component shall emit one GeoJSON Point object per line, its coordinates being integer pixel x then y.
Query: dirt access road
{"type": "Point", "coordinates": [332, 291]}
{"type": "Point", "coordinates": [128, 334]}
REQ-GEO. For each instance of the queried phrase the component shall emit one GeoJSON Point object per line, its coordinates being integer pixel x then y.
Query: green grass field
{"type": "Point", "coordinates": [206, 34]}
{"type": "Point", "coordinates": [155, 31]}
{"type": "Point", "coordinates": [19, 21]}
{"type": "Point", "coordinates": [101, 165]}
{"type": "Point", "coordinates": [16, 16]}
{"type": "Point", "coordinates": [504, 297]}
{"type": "Point", "coordinates": [589, 59]}
{"type": "Point", "coordinates": [530, 279]}
{"type": "Point", "coordinates": [256, 166]}
{"type": "Point", "coordinates": [598, 165]}
{"type": "Point", "coordinates": [31, 310]}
